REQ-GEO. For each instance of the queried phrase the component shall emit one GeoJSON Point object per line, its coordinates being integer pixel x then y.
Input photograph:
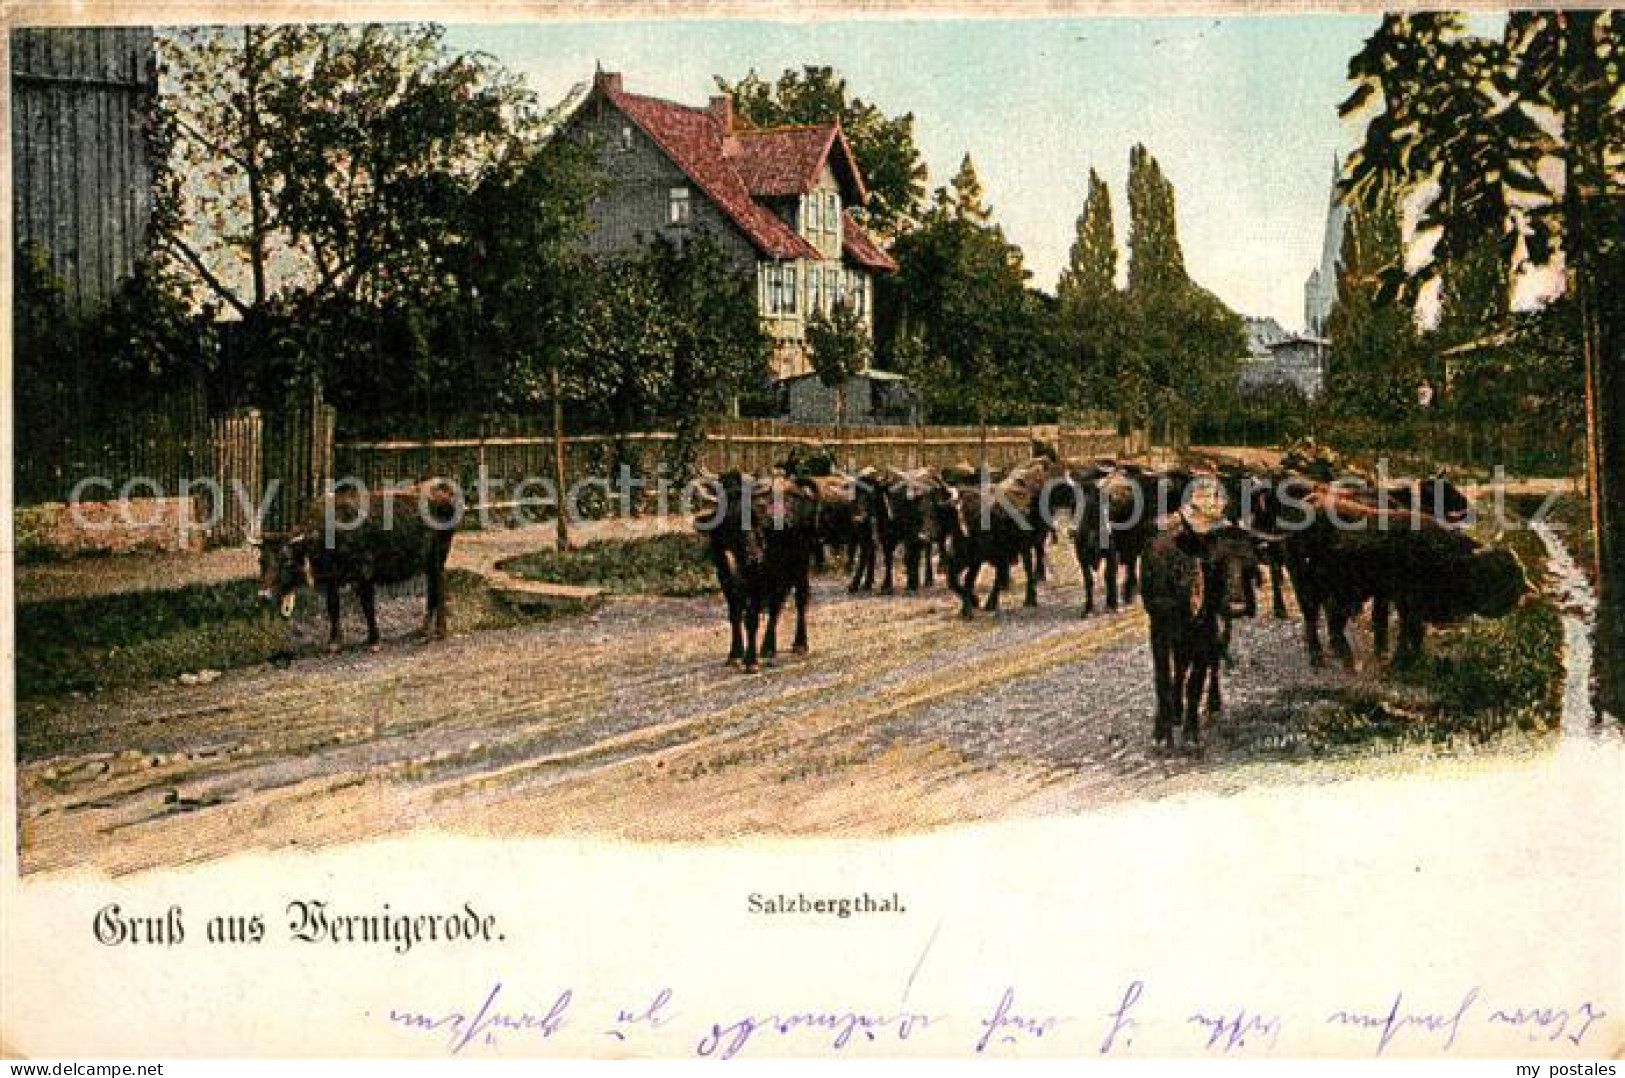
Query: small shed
{"type": "Point", "coordinates": [872, 397]}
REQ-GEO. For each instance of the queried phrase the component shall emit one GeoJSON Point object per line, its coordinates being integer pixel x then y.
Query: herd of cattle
{"type": "Point", "coordinates": [1192, 543]}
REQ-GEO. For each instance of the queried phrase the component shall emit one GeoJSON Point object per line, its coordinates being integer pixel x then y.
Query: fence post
{"type": "Point", "coordinates": [561, 525]}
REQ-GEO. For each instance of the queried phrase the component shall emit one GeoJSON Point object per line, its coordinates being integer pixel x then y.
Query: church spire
{"type": "Point", "coordinates": [1320, 290]}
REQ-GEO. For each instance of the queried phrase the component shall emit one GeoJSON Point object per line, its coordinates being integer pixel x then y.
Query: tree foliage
{"type": "Point", "coordinates": [326, 159]}
{"type": "Point", "coordinates": [1183, 343]}
{"type": "Point", "coordinates": [667, 336]}
{"type": "Point", "coordinates": [1091, 342]}
{"type": "Point", "coordinates": [1156, 261]}
{"type": "Point", "coordinates": [1521, 138]}
{"type": "Point", "coordinates": [373, 211]}
{"type": "Point", "coordinates": [1091, 272]}
{"type": "Point", "coordinates": [1375, 362]}
{"type": "Point", "coordinates": [964, 196]}
{"type": "Point", "coordinates": [893, 169]}
{"type": "Point", "coordinates": [961, 296]}
{"type": "Point", "coordinates": [838, 345]}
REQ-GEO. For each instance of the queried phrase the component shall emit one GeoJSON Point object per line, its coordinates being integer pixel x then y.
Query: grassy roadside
{"type": "Point", "coordinates": [92, 644]}
{"type": "Point", "coordinates": [672, 565]}
{"type": "Point", "coordinates": [1478, 681]}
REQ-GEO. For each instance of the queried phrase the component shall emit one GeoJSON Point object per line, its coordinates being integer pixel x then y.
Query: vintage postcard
{"type": "Point", "coordinates": [737, 532]}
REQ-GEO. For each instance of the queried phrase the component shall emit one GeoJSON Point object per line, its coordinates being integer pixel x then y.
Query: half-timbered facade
{"type": "Point", "coordinates": [778, 201]}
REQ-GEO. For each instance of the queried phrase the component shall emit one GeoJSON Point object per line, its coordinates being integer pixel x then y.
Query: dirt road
{"type": "Point", "coordinates": [627, 723]}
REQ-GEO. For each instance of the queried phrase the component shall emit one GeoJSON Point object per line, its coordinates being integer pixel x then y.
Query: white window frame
{"type": "Point", "coordinates": [790, 289]}
{"type": "Point", "coordinates": [814, 282]}
{"type": "Point", "coordinates": [679, 206]}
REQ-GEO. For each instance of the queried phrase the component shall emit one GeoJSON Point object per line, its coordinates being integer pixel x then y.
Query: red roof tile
{"type": "Point", "coordinates": [861, 247]}
{"type": "Point", "coordinates": [692, 138]}
{"type": "Point", "coordinates": [734, 169]}
{"type": "Point", "coordinates": [779, 161]}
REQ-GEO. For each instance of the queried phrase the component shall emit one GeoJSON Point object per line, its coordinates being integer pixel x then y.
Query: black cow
{"type": "Point", "coordinates": [1436, 496]}
{"type": "Point", "coordinates": [1350, 552]}
{"type": "Point", "coordinates": [1117, 514]}
{"type": "Point", "coordinates": [1194, 582]}
{"type": "Point", "coordinates": [365, 539]}
{"type": "Point", "coordinates": [908, 518]}
{"type": "Point", "coordinates": [845, 521]}
{"type": "Point", "coordinates": [997, 524]}
{"type": "Point", "coordinates": [1253, 500]}
{"type": "Point", "coordinates": [761, 535]}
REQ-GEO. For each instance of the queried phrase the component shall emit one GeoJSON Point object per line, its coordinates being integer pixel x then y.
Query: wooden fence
{"type": "Point", "coordinates": [149, 445]}
{"type": "Point", "coordinates": [278, 461]}
{"type": "Point", "coordinates": [239, 471]}
{"type": "Point", "coordinates": [518, 469]}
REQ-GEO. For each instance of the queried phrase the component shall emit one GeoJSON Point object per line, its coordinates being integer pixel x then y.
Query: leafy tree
{"type": "Point", "coordinates": [1090, 343]}
{"type": "Point", "coordinates": [1472, 125]}
{"type": "Point", "coordinates": [1091, 272]}
{"type": "Point", "coordinates": [311, 164]}
{"type": "Point", "coordinates": [965, 196]}
{"type": "Point", "coordinates": [669, 335]}
{"type": "Point", "coordinates": [927, 371]}
{"type": "Point", "coordinates": [893, 169]}
{"type": "Point", "coordinates": [719, 350]}
{"type": "Point", "coordinates": [960, 287]}
{"type": "Point", "coordinates": [838, 347]}
{"type": "Point", "coordinates": [1183, 342]}
{"type": "Point", "coordinates": [518, 272]}
{"type": "Point", "coordinates": [1374, 366]}
{"type": "Point", "coordinates": [621, 352]}
{"type": "Point", "coordinates": [1156, 261]}
{"type": "Point", "coordinates": [1475, 297]}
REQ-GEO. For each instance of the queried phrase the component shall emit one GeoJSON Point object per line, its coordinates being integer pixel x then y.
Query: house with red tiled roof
{"type": "Point", "coordinates": [778, 201]}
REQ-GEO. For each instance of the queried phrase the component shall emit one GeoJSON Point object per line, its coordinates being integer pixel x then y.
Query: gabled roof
{"type": "Point", "coordinates": [735, 168]}
{"type": "Point", "coordinates": [861, 248]}
{"type": "Point", "coordinates": [780, 161]}
{"type": "Point", "coordinates": [692, 138]}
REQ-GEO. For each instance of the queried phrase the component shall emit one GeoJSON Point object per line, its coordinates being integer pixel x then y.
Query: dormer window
{"type": "Point", "coordinates": [626, 137]}
{"type": "Point", "coordinates": [677, 207]}
{"type": "Point", "coordinates": [810, 212]}
{"type": "Point", "coordinates": [832, 216]}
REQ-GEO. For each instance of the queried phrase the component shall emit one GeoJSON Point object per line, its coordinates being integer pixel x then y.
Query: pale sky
{"type": "Point", "coordinates": [1241, 112]}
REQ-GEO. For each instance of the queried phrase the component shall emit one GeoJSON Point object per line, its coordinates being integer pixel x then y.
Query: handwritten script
{"type": "Point", "coordinates": [505, 1016]}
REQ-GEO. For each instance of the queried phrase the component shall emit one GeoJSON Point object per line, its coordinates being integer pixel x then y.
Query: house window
{"type": "Point", "coordinates": [790, 289]}
{"type": "Point", "coordinates": [677, 206]}
{"type": "Point", "coordinates": [832, 216]}
{"type": "Point", "coordinates": [626, 137]}
{"type": "Point", "coordinates": [810, 212]}
{"type": "Point", "coordinates": [830, 280]}
{"type": "Point", "coordinates": [813, 306]}
{"type": "Point", "coordinates": [859, 287]}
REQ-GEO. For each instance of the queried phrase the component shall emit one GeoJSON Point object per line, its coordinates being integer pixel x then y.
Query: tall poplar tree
{"type": "Point", "coordinates": [1374, 363]}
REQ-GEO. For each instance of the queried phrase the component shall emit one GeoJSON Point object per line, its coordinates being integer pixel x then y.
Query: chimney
{"type": "Point", "coordinates": [722, 110]}
{"type": "Point", "coordinates": [609, 81]}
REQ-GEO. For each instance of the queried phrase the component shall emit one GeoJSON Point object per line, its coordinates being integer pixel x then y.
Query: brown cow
{"type": "Point", "coordinates": [365, 539]}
